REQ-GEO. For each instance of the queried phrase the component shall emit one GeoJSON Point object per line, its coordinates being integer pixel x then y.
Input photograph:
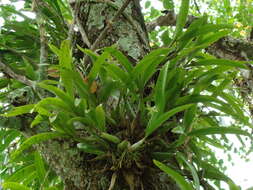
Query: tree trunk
{"type": "Point", "coordinates": [78, 170]}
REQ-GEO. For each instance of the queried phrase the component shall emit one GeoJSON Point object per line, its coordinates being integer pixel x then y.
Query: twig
{"type": "Point", "coordinates": [83, 33]}
{"type": "Point", "coordinates": [197, 7]}
{"type": "Point", "coordinates": [79, 25]}
{"type": "Point", "coordinates": [169, 19]}
{"type": "Point", "coordinates": [18, 77]}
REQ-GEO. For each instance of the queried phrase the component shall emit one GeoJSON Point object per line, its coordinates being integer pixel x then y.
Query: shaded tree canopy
{"type": "Point", "coordinates": [101, 94]}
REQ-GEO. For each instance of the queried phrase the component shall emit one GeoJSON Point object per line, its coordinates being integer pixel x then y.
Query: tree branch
{"type": "Point", "coordinates": [169, 19]}
{"type": "Point", "coordinates": [18, 77]}
{"type": "Point", "coordinates": [43, 42]}
{"type": "Point", "coordinates": [197, 7]}
{"type": "Point", "coordinates": [84, 35]}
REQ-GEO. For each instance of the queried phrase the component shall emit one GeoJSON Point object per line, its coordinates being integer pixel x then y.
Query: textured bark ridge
{"type": "Point", "coordinates": [128, 32]}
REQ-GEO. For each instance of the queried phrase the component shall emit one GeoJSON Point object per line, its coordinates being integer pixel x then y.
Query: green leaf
{"type": "Point", "coordinates": [37, 120]}
{"type": "Point", "coordinates": [82, 88]}
{"type": "Point", "coordinates": [189, 117]}
{"type": "Point", "coordinates": [30, 178]}
{"type": "Point", "coordinates": [197, 99]}
{"type": "Point", "coordinates": [209, 39]}
{"type": "Point", "coordinates": [149, 62]}
{"type": "Point", "coordinates": [234, 103]}
{"type": "Point", "coordinates": [204, 82]}
{"type": "Point", "coordinates": [182, 18]}
{"type": "Point", "coordinates": [212, 172]}
{"type": "Point", "coordinates": [166, 38]}
{"type": "Point", "coordinates": [156, 122]}
{"type": "Point", "coordinates": [56, 103]}
{"type": "Point", "coordinates": [35, 140]}
{"type": "Point", "coordinates": [211, 141]}
{"type": "Point", "coordinates": [160, 88]}
{"type": "Point", "coordinates": [147, 4]}
{"type": "Point", "coordinates": [66, 55]}
{"type": "Point", "coordinates": [192, 31]}
{"type": "Point", "coordinates": [100, 117]}
{"type": "Point", "coordinates": [58, 92]}
{"type": "Point", "coordinates": [192, 169]}
{"type": "Point", "coordinates": [15, 186]}
{"type": "Point", "coordinates": [233, 186]}
{"type": "Point", "coordinates": [162, 156]}
{"type": "Point", "coordinates": [21, 174]}
{"type": "Point", "coordinates": [168, 4]}
{"type": "Point", "coordinates": [65, 62]}
{"type": "Point", "coordinates": [90, 53]}
{"type": "Point", "coordinates": [201, 27]}
{"type": "Point", "coordinates": [90, 149]}
{"type": "Point", "coordinates": [68, 84]}
{"type": "Point", "coordinates": [40, 168]}
{"type": "Point", "coordinates": [118, 74]}
{"type": "Point", "coordinates": [222, 62]}
{"type": "Point", "coordinates": [123, 60]}
{"type": "Point", "coordinates": [55, 49]}
{"type": "Point", "coordinates": [4, 82]}
{"type": "Point", "coordinates": [150, 71]}
{"type": "Point", "coordinates": [8, 138]}
{"type": "Point", "coordinates": [52, 188]}
{"type": "Point", "coordinates": [218, 130]}
{"type": "Point", "coordinates": [111, 138]}
{"type": "Point", "coordinates": [182, 183]}
{"type": "Point", "coordinates": [19, 110]}
{"type": "Point", "coordinates": [97, 65]}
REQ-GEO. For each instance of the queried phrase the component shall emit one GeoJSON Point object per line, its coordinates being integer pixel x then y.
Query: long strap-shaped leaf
{"type": "Point", "coordinates": [219, 130]}
{"type": "Point", "coordinates": [182, 17]}
{"type": "Point", "coordinates": [182, 183]}
{"type": "Point", "coordinates": [192, 169]}
{"type": "Point", "coordinates": [40, 168]}
{"type": "Point", "coordinates": [222, 62]}
{"type": "Point", "coordinates": [58, 92]}
{"type": "Point", "coordinates": [19, 110]}
{"type": "Point", "coordinates": [156, 122]}
{"type": "Point", "coordinates": [160, 88]}
{"type": "Point", "coordinates": [21, 174]}
{"type": "Point", "coordinates": [15, 186]}
{"type": "Point", "coordinates": [35, 140]}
